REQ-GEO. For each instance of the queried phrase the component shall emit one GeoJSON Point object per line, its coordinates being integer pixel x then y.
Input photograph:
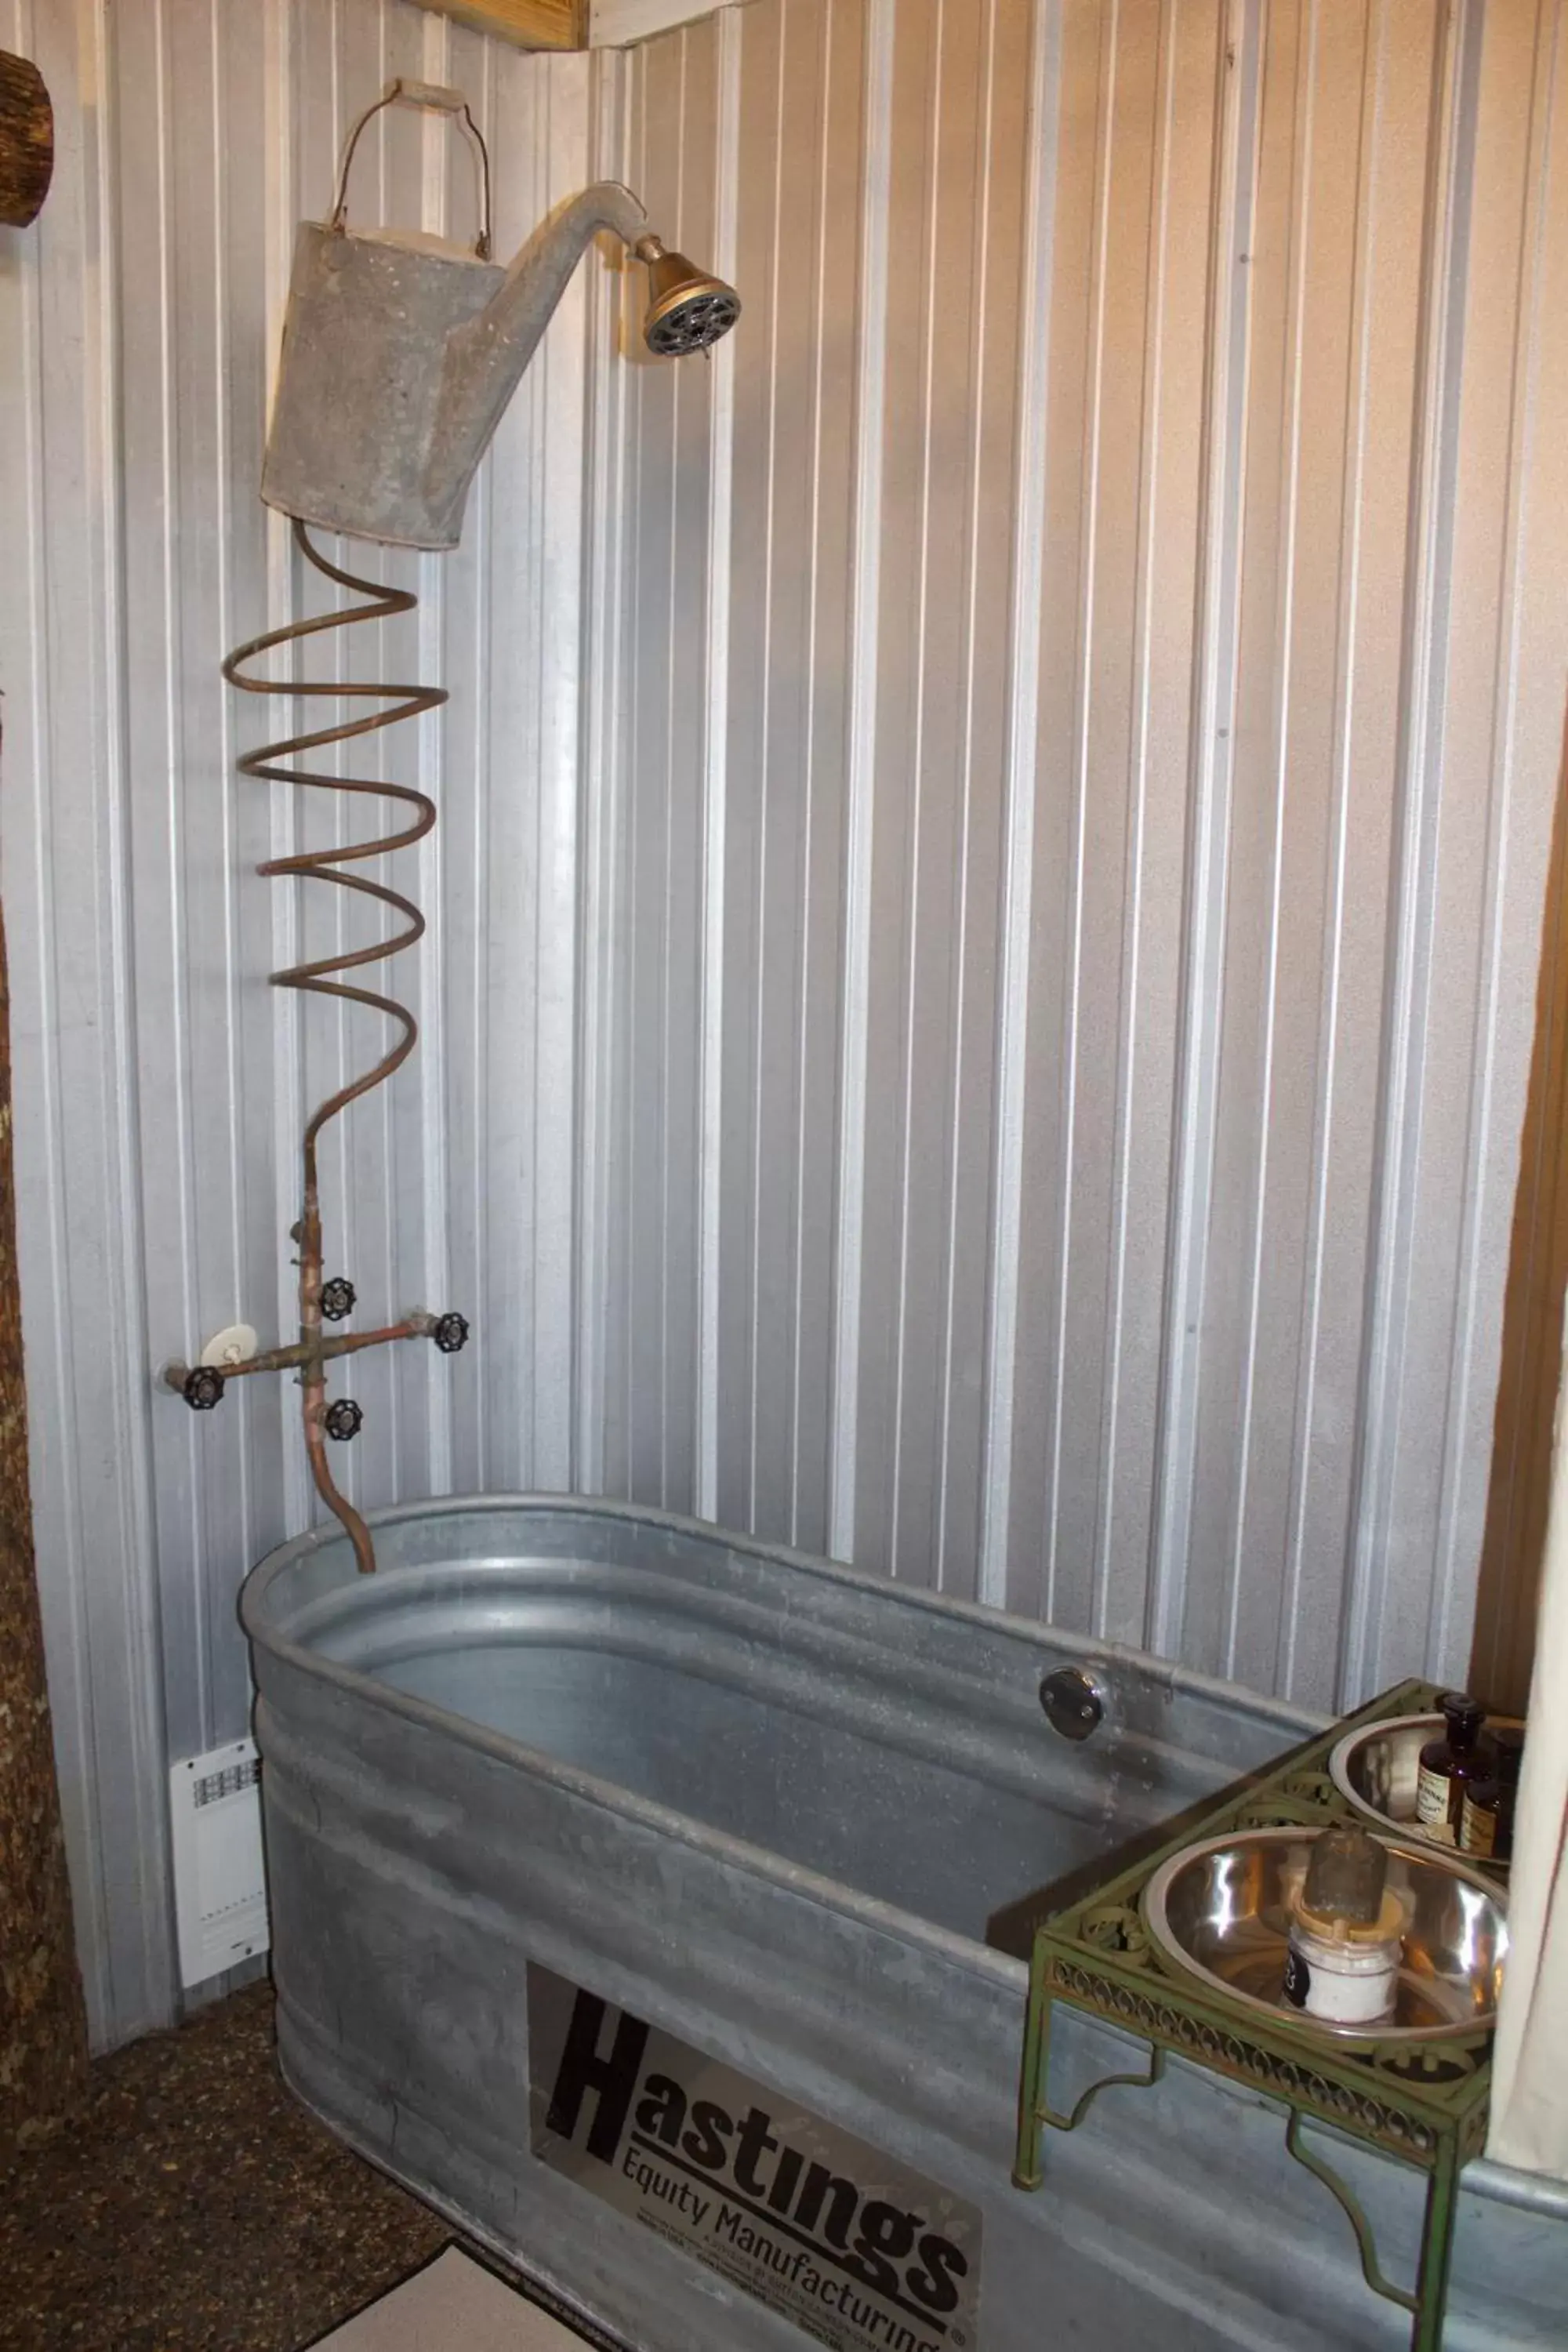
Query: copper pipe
{"type": "Point", "coordinates": [316, 978]}
{"type": "Point", "coordinates": [283, 1360]}
{"type": "Point", "coordinates": [314, 1378]}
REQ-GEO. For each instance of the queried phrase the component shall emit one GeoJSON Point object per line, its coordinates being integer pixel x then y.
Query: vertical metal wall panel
{"type": "Point", "coordinates": [800, 92]}
{"type": "Point", "coordinates": [774, 267]}
{"type": "Point", "coordinates": [650, 1447]}
{"type": "Point", "coordinates": [950, 428]}
{"type": "Point", "coordinates": [605, 656]}
{"type": "Point", "coordinates": [865, 587]}
{"type": "Point", "coordinates": [1348, 711]}
{"type": "Point", "coordinates": [1190, 126]}
{"type": "Point", "coordinates": [1123, 432]}
{"type": "Point", "coordinates": [1322, 570]}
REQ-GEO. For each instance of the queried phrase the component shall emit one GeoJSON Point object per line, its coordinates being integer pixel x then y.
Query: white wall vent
{"type": "Point", "coordinates": [220, 1890]}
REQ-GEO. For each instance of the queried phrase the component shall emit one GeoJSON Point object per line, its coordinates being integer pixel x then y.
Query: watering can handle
{"type": "Point", "coordinates": [403, 92]}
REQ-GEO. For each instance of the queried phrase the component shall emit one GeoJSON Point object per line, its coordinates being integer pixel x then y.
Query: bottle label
{"type": "Point", "coordinates": [1298, 1978]}
{"type": "Point", "coordinates": [1478, 1828]}
{"type": "Point", "coordinates": [1434, 1804]}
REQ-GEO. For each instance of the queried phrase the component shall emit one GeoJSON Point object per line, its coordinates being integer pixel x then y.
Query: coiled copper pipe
{"type": "Point", "coordinates": [317, 977]}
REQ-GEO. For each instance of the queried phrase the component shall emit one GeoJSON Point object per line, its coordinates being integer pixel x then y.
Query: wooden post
{"type": "Point", "coordinates": [27, 141]}
{"type": "Point", "coordinates": [1514, 1544]}
{"type": "Point", "coordinates": [43, 2031]}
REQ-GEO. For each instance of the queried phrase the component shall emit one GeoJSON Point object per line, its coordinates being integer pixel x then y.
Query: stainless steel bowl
{"type": "Point", "coordinates": [1217, 1910]}
{"type": "Point", "coordinates": [1377, 1768]}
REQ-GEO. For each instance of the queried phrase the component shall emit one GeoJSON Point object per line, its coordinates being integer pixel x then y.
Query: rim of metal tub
{"type": "Point", "coordinates": [980, 1959]}
{"type": "Point", "coordinates": [1292, 1720]}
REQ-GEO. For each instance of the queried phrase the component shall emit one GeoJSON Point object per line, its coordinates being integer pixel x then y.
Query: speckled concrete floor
{"type": "Point", "coordinates": [195, 2206]}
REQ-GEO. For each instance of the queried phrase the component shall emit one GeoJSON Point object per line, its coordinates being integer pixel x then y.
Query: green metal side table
{"type": "Point", "coordinates": [1424, 2103]}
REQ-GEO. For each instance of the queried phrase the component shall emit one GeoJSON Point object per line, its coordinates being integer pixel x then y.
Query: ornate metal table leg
{"type": "Point", "coordinates": [1437, 2248]}
{"type": "Point", "coordinates": [1430, 2301]}
{"type": "Point", "coordinates": [1035, 2107]}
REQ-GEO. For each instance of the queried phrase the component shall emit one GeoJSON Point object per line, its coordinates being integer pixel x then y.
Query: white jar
{"type": "Point", "coordinates": [1345, 1978]}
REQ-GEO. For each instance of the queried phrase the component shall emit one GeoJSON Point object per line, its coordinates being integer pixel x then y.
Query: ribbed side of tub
{"type": "Point", "coordinates": [416, 1871]}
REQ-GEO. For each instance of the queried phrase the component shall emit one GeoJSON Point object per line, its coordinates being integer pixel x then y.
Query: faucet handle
{"type": "Point", "coordinates": [202, 1387]}
{"type": "Point", "coordinates": [343, 1419]}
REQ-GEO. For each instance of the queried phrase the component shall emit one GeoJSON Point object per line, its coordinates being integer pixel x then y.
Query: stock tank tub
{"type": "Point", "coordinates": [642, 1896]}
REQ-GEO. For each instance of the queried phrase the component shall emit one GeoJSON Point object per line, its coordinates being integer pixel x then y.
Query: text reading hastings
{"type": "Point", "coordinates": [862, 2253]}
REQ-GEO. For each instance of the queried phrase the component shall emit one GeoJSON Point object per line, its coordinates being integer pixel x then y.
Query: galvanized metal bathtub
{"type": "Point", "coordinates": [562, 1750]}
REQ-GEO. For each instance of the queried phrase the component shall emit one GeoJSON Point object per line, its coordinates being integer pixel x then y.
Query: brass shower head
{"type": "Point", "coordinates": [687, 310]}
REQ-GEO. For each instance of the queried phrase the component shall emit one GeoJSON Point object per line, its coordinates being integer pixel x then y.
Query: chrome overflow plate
{"type": "Point", "coordinates": [1074, 1702]}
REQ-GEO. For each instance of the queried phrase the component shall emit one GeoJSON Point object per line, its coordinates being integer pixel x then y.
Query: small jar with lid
{"type": "Point", "coordinates": [1487, 1808]}
{"type": "Point", "coordinates": [1455, 1758]}
{"type": "Point", "coordinates": [1346, 1931]}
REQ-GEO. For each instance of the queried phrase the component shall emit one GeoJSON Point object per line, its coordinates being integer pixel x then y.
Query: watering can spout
{"type": "Point", "coordinates": [486, 357]}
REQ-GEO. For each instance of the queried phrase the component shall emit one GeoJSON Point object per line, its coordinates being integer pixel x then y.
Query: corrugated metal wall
{"type": "Point", "coordinates": [159, 1082]}
{"type": "Point", "coordinates": [984, 928]}
{"type": "Point", "coordinates": [1081, 805]}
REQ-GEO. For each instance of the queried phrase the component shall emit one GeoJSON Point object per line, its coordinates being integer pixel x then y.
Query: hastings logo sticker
{"type": "Point", "coordinates": [860, 2253]}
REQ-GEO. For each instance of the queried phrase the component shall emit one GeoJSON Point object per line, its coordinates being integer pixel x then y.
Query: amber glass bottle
{"type": "Point", "coordinates": [1447, 1762]}
{"type": "Point", "coordinates": [1485, 1817]}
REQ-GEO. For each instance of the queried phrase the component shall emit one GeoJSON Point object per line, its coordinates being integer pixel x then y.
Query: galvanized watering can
{"type": "Point", "coordinates": [401, 350]}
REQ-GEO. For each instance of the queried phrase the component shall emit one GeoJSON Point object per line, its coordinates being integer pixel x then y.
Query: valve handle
{"type": "Point", "coordinates": [450, 1333]}
{"type": "Point", "coordinates": [343, 1420]}
{"type": "Point", "coordinates": [202, 1388]}
{"type": "Point", "coordinates": [338, 1298]}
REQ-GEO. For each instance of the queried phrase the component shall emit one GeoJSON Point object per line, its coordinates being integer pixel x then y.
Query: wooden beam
{"type": "Point", "coordinates": [530, 24]}
{"type": "Point", "coordinates": [1514, 1544]}
{"type": "Point", "coordinates": [27, 141]}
